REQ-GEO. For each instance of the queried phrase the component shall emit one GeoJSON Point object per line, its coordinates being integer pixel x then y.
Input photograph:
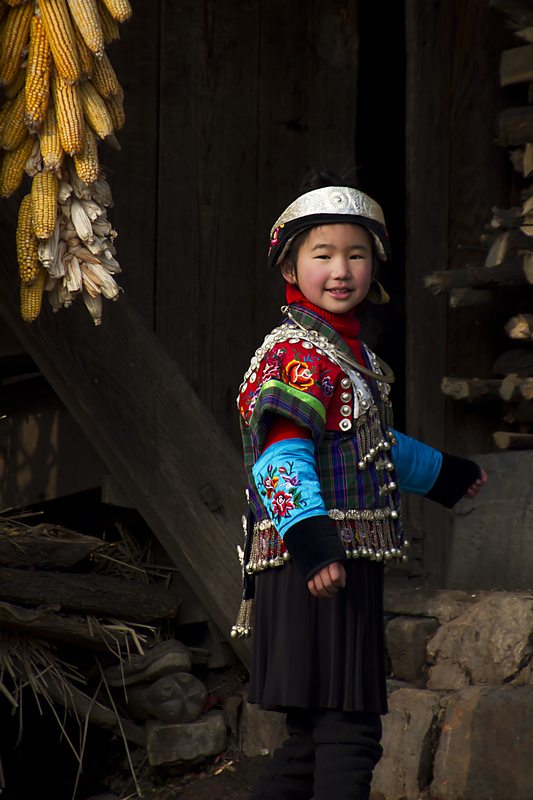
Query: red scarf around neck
{"type": "Point", "coordinates": [347, 325]}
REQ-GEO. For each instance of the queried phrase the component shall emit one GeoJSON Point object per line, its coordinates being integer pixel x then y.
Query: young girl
{"type": "Point", "coordinates": [325, 469]}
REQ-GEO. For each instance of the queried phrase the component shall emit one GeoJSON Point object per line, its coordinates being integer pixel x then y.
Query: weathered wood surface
{"type": "Point", "coordinates": [513, 441]}
{"type": "Point", "coordinates": [428, 125]}
{"type": "Point", "coordinates": [471, 388]}
{"type": "Point", "coordinates": [513, 273]}
{"type": "Point", "coordinates": [83, 705]}
{"type": "Point", "coordinates": [466, 298]}
{"type": "Point", "coordinates": [242, 115]}
{"type": "Point", "coordinates": [151, 430]}
{"type": "Point", "coordinates": [516, 65]}
{"type": "Point", "coordinates": [88, 594]}
{"type": "Point", "coordinates": [43, 452]}
{"type": "Point", "coordinates": [516, 361]}
{"type": "Point", "coordinates": [515, 126]}
{"type": "Point", "coordinates": [48, 625]}
{"type": "Point", "coordinates": [515, 388]}
{"type": "Point", "coordinates": [39, 550]}
{"type": "Point", "coordinates": [520, 327]}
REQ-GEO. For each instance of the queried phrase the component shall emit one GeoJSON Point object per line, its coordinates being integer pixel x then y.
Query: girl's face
{"type": "Point", "coordinates": [333, 267]}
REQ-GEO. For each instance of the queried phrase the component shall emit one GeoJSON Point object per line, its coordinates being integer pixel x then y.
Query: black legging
{"type": "Point", "coordinates": [329, 754]}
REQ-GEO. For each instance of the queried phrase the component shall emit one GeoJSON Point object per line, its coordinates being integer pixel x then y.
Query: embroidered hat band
{"type": "Point", "coordinates": [331, 204]}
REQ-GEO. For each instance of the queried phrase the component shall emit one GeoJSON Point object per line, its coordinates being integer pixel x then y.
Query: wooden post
{"type": "Point", "coordinates": [428, 43]}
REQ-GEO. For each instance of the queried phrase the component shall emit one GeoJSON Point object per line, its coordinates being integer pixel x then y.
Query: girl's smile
{"type": "Point", "coordinates": [333, 267]}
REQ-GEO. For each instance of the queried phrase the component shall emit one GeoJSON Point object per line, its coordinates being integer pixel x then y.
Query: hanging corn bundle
{"type": "Point", "coordinates": [62, 99]}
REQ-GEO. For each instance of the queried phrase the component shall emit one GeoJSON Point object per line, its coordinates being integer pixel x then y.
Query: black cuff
{"type": "Point", "coordinates": [455, 477]}
{"type": "Point", "coordinates": [313, 543]}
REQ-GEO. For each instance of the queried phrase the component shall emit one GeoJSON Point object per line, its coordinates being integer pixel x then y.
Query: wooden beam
{"type": "Point", "coordinates": [513, 441]}
{"type": "Point", "coordinates": [471, 388]}
{"type": "Point", "coordinates": [151, 430]}
{"type": "Point", "coordinates": [518, 272]}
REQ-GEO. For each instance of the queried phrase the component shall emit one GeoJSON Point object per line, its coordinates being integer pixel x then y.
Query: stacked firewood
{"type": "Point", "coordinates": [508, 246]}
{"type": "Point", "coordinates": [58, 586]}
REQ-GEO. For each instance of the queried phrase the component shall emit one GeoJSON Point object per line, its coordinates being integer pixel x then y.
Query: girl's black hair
{"type": "Point", "coordinates": [315, 179]}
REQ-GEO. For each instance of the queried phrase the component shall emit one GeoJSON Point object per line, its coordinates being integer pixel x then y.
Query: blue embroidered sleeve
{"type": "Point", "coordinates": [286, 478]}
{"type": "Point", "coordinates": [417, 464]}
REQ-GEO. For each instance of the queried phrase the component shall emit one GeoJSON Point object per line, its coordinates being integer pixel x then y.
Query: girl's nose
{"type": "Point", "coordinates": [341, 268]}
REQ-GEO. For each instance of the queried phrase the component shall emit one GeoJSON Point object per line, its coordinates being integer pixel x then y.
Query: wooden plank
{"type": "Point", "coordinates": [207, 195]}
{"type": "Point", "coordinates": [133, 172]}
{"type": "Point", "coordinates": [516, 65]}
{"type": "Point", "coordinates": [428, 43]}
{"type": "Point", "coordinates": [152, 431]}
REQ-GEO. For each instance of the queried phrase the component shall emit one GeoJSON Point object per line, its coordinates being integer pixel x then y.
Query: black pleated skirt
{"type": "Point", "coordinates": [313, 652]}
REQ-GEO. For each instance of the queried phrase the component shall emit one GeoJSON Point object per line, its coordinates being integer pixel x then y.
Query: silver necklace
{"type": "Point", "coordinates": [386, 377]}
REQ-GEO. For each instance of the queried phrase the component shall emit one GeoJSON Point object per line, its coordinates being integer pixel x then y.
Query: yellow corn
{"type": "Point", "coordinates": [85, 15]}
{"type": "Point", "coordinates": [14, 39]}
{"type": "Point", "coordinates": [31, 295]}
{"type": "Point", "coordinates": [95, 110]}
{"type": "Point", "coordinates": [16, 85]}
{"type": "Point", "coordinates": [115, 107]}
{"type": "Point", "coordinates": [104, 78]}
{"type": "Point", "coordinates": [14, 131]}
{"type": "Point", "coordinates": [27, 244]}
{"type": "Point", "coordinates": [119, 9]}
{"type": "Point", "coordinates": [38, 76]}
{"type": "Point", "coordinates": [62, 39]}
{"type": "Point", "coordinates": [109, 24]}
{"type": "Point", "coordinates": [85, 56]}
{"type": "Point", "coordinates": [44, 188]}
{"type": "Point", "coordinates": [87, 164]}
{"type": "Point", "coordinates": [69, 114]}
{"type": "Point", "coordinates": [12, 169]}
{"type": "Point", "coordinates": [51, 149]}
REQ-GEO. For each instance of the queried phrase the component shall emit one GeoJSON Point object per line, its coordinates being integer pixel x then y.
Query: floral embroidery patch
{"type": "Point", "coordinates": [281, 487]}
{"type": "Point", "coordinates": [298, 375]}
{"type": "Point", "coordinates": [327, 386]}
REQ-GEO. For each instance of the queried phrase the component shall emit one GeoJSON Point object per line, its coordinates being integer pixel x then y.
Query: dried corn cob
{"type": "Point", "coordinates": [13, 165]}
{"type": "Point", "coordinates": [31, 295]}
{"type": "Point", "coordinates": [16, 85]}
{"type": "Point", "coordinates": [62, 39]}
{"type": "Point", "coordinates": [44, 204]}
{"type": "Point", "coordinates": [85, 56]}
{"type": "Point", "coordinates": [85, 15]}
{"type": "Point", "coordinates": [115, 107]}
{"type": "Point", "coordinates": [95, 110]}
{"type": "Point", "coordinates": [27, 244]}
{"type": "Point", "coordinates": [4, 111]}
{"type": "Point", "coordinates": [104, 77]}
{"type": "Point", "coordinates": [109, 24]}
{"type": "Point", "coordinates": [14, 131]}
{"type": "Point", "coordinates": [87, 164]}
{"type": "Point", "coordinates": [119, 9]}
{"type": "Point", "coordinates": [69, 114]}
{"type": "Point", "coordinates": [14, 38]}
{"type": "Point", "coordinates": [38, 76]}
{"type": "Point", "coordinates": [51, 149]}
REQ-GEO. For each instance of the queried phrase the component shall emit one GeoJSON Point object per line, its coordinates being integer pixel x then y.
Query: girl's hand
{"type": "Point", "coordinates": [327, 581]}
{"type": "Point", "coordinates": [476, 486]}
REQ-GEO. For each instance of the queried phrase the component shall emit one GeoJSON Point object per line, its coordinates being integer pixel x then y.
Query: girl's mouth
{"type": "Point", "coordinates": [339, 291]}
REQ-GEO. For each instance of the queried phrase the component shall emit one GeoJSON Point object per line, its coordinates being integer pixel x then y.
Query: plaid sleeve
{"type": "Point", "coordinates": [292, 381]}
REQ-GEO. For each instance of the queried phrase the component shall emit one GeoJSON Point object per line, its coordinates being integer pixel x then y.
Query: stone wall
{"type": "Point", "coordinates": [492, 541]}
{"type": "Point", "coordinates": [460, 725]}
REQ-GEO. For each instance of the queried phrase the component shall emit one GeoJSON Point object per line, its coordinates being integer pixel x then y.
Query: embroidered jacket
{"type": "Point", "coordinates": [295, 373]}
